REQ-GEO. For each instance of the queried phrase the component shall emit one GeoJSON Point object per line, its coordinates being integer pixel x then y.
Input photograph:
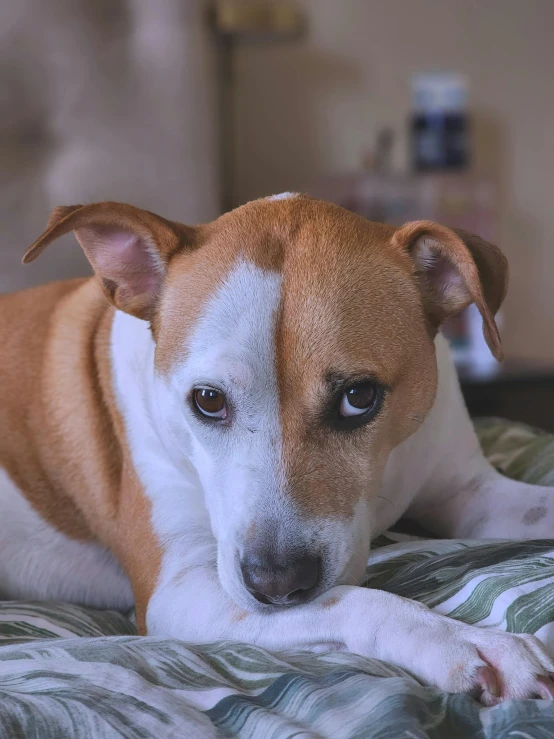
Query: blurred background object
{"type": "Point", "coordinates": [439, 122]}
{"type": "Point", "coordinates": [246, 21]}
{"type": "Point", "coordinates": [102, 100]}
{"type": "Point", "coordinates": [440, 109]}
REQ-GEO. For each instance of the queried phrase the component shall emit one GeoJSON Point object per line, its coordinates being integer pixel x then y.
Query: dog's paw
{"type": "Point", "coordinates": [491, 665]}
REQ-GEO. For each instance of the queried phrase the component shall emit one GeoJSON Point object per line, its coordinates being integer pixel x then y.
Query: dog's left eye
{"type": "Point", "coordinates": [358, 399]}
{"type": "Point", "coordinates": [211, 403]}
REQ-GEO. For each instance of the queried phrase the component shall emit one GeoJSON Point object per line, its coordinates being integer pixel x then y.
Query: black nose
{"type": "Point", "coordinates": [280, 582]}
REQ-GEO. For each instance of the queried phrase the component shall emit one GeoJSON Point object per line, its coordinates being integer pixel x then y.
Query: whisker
{"type": "Point", "coordinates": [388, 501]}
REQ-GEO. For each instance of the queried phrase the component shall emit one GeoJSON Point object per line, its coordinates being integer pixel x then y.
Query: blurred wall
{"type": "Point", "coordinates": [101, 100]}
{"type": "Point", "coordinates": [315, 106]}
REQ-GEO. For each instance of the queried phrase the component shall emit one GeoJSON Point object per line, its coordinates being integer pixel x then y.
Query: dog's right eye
{"type": "Point", "coordinates": [358, 399]}
{"type": "Point", "coordinates": [210, 403]}
{"type": "Point", "coordinates": [359, 404]}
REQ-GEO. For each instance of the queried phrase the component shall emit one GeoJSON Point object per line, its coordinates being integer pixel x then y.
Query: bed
{"type": "Point", "coordinates": [69, 671]}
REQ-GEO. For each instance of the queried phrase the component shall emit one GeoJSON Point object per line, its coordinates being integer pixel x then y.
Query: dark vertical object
{"type": "Point", "coordinates": [439, 141]}
{"type": "Point", "coordinates": [439, 125]}
{"type": "Point", "coordinates": [253, 20]}
{"type": "Point", "coordinates": [226, 114]}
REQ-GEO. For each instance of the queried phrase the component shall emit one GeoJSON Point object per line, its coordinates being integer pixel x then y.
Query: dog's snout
{"type": "Point", "coordinates": [279, 582]}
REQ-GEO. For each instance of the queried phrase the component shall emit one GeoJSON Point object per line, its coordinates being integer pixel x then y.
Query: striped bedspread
{"type": "Point", "coordinates": [67, 671]}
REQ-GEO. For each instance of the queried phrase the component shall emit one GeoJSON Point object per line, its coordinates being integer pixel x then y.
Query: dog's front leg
{"type": "Point", "coordinates": [483, 504]}
{"type": "Point", "coordinates": [458, 494]}
{"type": "Point", "coordinates": [448, 654]}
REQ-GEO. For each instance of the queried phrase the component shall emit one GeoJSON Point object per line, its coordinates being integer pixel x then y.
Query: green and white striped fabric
{"type": "Point", "coordinates": [111, 683]}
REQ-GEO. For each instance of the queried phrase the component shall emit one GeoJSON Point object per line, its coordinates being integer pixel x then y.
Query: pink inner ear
{"type": "Point", "coordinates": [441, 274]}
{"type": "Point", "coordinates": [446, 276]}
{"type": "Point", "coordinates": [122, 257]}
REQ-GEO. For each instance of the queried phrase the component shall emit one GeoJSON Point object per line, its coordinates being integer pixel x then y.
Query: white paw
{"type": "Point", "coordinates": [491, 665]}
{"type": "Point", "coordinates": [488, 664]}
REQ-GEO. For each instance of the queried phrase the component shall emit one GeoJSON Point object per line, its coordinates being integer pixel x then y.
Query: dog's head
{"type": "Point", "coordinates": [294, 351]}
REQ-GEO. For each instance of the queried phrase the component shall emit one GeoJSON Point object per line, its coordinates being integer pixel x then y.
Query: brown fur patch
{"type": "Point", "coordinates": [28, 442]}
{"type": "Point", "coordinates": [349, 305]}
{"type": "Point", "coordinates": [61, 439]}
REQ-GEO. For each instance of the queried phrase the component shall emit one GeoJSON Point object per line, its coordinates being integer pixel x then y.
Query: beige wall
{"type": "Point", "coordinates": [315, 106]}
{"type": "Point", "coordinates": [102, 100]}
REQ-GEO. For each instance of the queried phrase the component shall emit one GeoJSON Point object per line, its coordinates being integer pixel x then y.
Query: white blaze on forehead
{"type": "Point", "coordinates": [234, 340]}
{"type": "Point", "coordinates": [232, 348]}
{"type": "Point", "coordinates": [284, 196]}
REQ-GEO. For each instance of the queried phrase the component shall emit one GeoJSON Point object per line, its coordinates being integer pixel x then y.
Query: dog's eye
{"type": "Point", "coordinates": [210, 403]}
{"type": "Point", "coordinates": [359, 399]}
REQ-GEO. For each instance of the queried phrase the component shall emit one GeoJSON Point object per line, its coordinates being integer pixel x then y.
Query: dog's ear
{"type": "Point", "coordinates": [454, 269]}
{"type": "Point", "coordinates": [128, 248]}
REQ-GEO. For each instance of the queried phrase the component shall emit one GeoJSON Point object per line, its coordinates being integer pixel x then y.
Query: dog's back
{"type": "Point", "coordinates": [41, 351]}
{"type": "Point", "coordinates": [25, 326]}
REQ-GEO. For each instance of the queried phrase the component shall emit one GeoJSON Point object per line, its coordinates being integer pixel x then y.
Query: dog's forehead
{"type": "Point", "coordinates": [292, 231]}
{"type": "Point", "coordinates": [337, 273]}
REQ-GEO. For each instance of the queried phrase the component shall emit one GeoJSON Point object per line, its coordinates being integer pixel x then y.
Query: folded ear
{"type": "Point", "coordinates": [128, 248]}
{"type": "Point", "coordinates": [454, 269]}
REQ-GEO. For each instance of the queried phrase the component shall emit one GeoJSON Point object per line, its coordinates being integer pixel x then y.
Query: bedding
{"type": "Point", "coordinates": [70, 671]}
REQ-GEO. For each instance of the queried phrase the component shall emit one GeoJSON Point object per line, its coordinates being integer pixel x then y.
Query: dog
{"type": "Point", "coordinates": [215, 426]}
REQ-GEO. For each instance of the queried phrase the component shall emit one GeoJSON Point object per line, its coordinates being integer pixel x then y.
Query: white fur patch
{"type": "Point", "coordinates": [284, 196]}
{"type": "Point", "coordinates": [233, 349]}
{"type": "Point", "coordinates": [54, 567]}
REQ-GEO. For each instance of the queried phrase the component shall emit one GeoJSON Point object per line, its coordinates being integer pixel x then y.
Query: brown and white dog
{"type": "Point", "coordinates": [257, 398]}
